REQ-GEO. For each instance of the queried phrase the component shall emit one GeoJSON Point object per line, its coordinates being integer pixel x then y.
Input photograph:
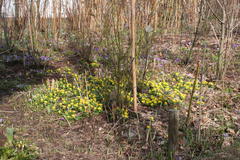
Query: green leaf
{"type": "Point", "coordinates": [49, 108]}
{"type": "Point", "coordinates": [9, 134]}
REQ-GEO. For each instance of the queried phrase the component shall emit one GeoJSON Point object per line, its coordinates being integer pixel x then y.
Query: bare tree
{"type": "Point", "coordinates": [227, 15]}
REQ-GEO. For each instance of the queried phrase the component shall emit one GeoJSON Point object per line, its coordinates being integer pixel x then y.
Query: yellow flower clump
{"type": "Point", "coordinates": [171, 91]}
{"type": "Point", "coordinates": [67, 99]}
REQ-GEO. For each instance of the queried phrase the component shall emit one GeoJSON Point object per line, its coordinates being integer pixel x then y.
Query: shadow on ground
{"type": "Point", "coordinates": [19, 70]}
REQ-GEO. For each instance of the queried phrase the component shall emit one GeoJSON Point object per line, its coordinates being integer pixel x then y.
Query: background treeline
{"type": "Point", "coordinates": [84, 22]}
{"type": "Point", "coordinates": [94, 16]}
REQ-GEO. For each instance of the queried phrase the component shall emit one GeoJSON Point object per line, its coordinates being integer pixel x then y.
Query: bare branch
{"type": "Point", "coordinates": [215, 33]}
{"type": "Point", "coordinates": [214, 14]}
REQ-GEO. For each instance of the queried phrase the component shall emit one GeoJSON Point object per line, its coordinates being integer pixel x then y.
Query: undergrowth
{"type": "Point", "coordinates": [75, 96]}
{"type": "Point", "coordinates": [16, 149]}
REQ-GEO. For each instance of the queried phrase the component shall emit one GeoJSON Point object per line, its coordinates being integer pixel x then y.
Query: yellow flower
{"type": "Point", "coordinates": [204, 82]}
{"type": "Point", "coordinates": [200, 102]}
{"type": "Point", "coordinates": [210, 84]}
{"type": "Point", "coordinates": [125, 113]}
{"type": "Point", "coordinates": [151, 118]}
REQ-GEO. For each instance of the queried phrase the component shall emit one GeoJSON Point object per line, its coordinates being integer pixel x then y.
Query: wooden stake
{"type": "Point", "coordinates": [173, 124]}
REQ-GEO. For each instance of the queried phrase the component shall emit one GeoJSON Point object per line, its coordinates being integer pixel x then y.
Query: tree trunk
{"type": "Point", "coordinates": [133, 52]}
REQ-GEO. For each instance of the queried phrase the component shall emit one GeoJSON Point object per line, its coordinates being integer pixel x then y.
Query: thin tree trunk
{"type": "Point", "coordinates": [38, 16]}
{"type": "Point", "coordinates": [133, 52]}
{"type": "Point", "coordinates": [1, 4]}
{"type": "Point", "coordinates": [17, 7]}
{"type": "Point", "coordinates": [30, 25]}
{"type": "Point", "coordinates": [222, 47]}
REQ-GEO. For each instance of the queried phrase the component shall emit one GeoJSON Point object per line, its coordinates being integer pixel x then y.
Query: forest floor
{"type": "Point", "coordinates": [95, 138]}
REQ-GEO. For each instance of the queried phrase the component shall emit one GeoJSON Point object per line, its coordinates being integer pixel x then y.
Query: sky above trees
{"type": "Point", "coordinates": [8, 8]}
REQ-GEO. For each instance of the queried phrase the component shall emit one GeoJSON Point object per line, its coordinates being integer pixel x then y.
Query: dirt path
{"type": "Point", "coordinates": [56, 139]}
